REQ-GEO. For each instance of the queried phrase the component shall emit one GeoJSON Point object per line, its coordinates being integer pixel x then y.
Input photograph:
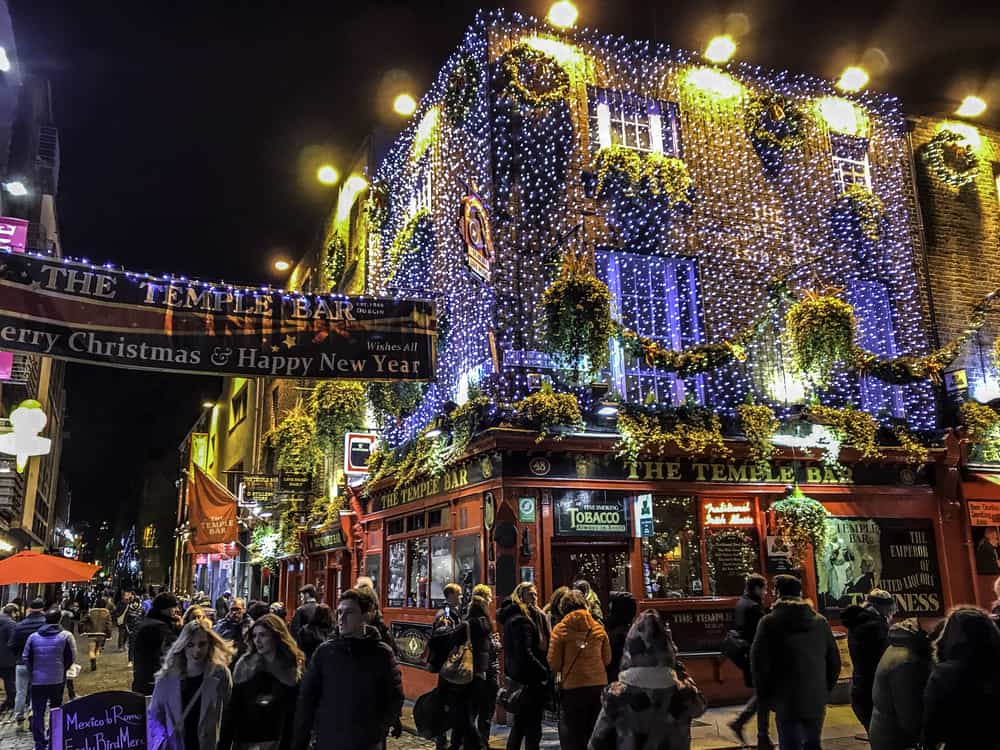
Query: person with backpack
{"type": "Point", "coordinates": [48, 653]}
{"type": "Point", "coordinates": [447, 633]}
{"type": "Point", "coordinates": [526, 670]}
{"type": "Point", "coordinates": [746, 617]}
{"type": "Point", "coordinates": [19, 635]}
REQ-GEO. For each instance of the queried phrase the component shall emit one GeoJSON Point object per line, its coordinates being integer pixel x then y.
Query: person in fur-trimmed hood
{"type": "Point", "coordinates": [641, 709]}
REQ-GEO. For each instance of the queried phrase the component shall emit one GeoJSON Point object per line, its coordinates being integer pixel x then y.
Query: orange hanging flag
{"type": "Point", "coordinates": [211, 510]}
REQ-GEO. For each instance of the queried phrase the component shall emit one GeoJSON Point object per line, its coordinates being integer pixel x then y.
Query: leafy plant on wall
{"type": "Point", "coordinates": [545, 410]}
{"type": "Point", "coordinates": [265, 546]}
{"type": "Point", "coordinates": [294, 442]}
{"type": "Point", "coordinates": [335, 261]}
{"type": "Point", "coordinates": [982, 423]}
{"type": "Point", "coordinates": [336, 407]}
{"type": "Point", "coordinates": [820, 332]}
{"type": "Point", "coordinates": [858, 216]}
{"type": "Point", "coordinates": [759, 426]}
{"type": "Point", "coordinates": [394, 400]}
{"type": "Point", "coordinates": [801, 522]}
{"type": "Point", "coordinates": [690, 430]}
{"type": "Point", "coordinates": [288, 531]}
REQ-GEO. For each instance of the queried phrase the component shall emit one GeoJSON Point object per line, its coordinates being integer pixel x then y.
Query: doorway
{"type": "Point", "coordinates": [604, 567]}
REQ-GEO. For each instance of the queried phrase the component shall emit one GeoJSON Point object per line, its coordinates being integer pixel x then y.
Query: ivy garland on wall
{"type": "Point", "coordinates": [294, 443]}
{"type": "Point", "coordinates": [534, 78]}
{"type": "Point", "coordinates": [692, 430]}
{"type": "Point", "coordinates": [850, 426]}
{"type": "Point", "coordinates": [951, 159]}
{"type": "Point", "coordinates": [759, 425]}
{"type": "Point", "coordinates": [774, 122]}
{"type": "Point", "coordinates": [336, 407]}
{"type": "Point", "coordinates": [801, 522]}
{"type": "Point", "coordinates": [335, 261]}
{"type": "Point", "coordinates": [461, 92]}
{"type": "Point", "coordinates": [395, 400]}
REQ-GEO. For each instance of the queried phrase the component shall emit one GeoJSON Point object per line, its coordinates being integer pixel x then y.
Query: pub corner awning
{"type": "Point", "coordinates": [35, 567]}
{"type": "Point", "coordinates": [981, 486]}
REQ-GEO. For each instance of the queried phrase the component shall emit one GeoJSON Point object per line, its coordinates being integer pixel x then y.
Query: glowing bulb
{"type": "Point", "coordinates": [282, 265]}
{"type": "Point", "coordinates": [712, 82]}
{"type": "Point", "coordinates": [720, 49]}
{"type": "Point", "coordinates": [853, 79]}
{"type": "Point", "coordinates": [404, 105]}
{"type": "Point", "coordinates": [971, 106]}
{"type": "Point", "coordinates": [562, 15]}
{"type": "Point", "coordinates": [327, 175]}
{"type": "Point", "coordinates": [842, 116]}
{"type": "Point", "coordinates": [16, 188]}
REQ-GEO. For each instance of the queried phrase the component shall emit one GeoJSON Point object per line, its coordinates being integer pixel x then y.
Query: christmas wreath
{"type": "Point", "coordinates": [461, 91]}
{"type": "Point", "coordinates": [772, 121]}
{"type": "Point", "coordinates": [533, 77]}
{"type": "Point", "coordinates": [951, 158]}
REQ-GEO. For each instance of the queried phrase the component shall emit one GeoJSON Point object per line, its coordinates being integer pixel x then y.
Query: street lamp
{"type": "Point", "coordinates": [208, 405]}
{"type": "Point", "coordinates": [853, 79]}
{"type": "Point", "coordinates": [327, 175]}
{"type": "Point", "coordinates": [562, 14]}
{"type": "Point", "coordinates": [971, 106]}
{"type": "Point", "coordinates": [282, 265]}
{"type": "Point", "coordinates": [720, 49]}
{"type": "Point", "coordinates": [404, 105]}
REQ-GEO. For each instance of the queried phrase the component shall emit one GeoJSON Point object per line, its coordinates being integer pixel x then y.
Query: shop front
{"type": "Point", "coordinates": [680, 534]}
{"type": "Point", "coordinates": [328, 564]}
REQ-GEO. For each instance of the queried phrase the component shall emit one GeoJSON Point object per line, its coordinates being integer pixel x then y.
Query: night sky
{"type": "Point", "coordinates": [190, 133]}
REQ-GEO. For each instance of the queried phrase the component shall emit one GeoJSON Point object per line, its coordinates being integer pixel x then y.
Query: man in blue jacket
{"type": "Point", "coordinates": [18, 638]}
{"type": "Point", "coordinates": [49, 652]}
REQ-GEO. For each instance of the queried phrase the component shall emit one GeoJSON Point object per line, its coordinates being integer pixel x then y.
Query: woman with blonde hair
{"type": "Point", "coordinates": [553, 610]}
{"type": "Point", "coordinates": [526, 597]}
{"type": "Point", "coordinates": [195, 612]}
{"type": "Point", "coordinates": [265, 689]}
{"type": "Point", "coordinates": [191, 691]}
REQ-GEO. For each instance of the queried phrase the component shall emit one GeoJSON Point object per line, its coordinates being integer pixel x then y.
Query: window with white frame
{"type": "Point", "coordinates": [637, 122]}
{"type": "Point", "coordinates": [850, 162]}
{"type": "Point", "coordinates": [420, 200]}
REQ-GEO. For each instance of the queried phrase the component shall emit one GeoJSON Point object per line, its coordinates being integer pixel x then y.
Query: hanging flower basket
{"type": "Point", "coordinates": [858, 215]}
{"type": "Point", "coordinates": [951, 159]}
{"type": "Point", "coordinates": [820, 331]}
{"type": "Point", "coordinates": [801, 522]}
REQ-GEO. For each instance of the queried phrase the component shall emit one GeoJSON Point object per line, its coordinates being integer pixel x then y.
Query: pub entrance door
{"type": "Point", "coordinates": [604, 565]}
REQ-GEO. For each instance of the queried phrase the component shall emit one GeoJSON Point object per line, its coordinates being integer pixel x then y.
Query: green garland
{"type": "Point", "coordinates": [294, 442]}
{"type": "Point", "coordinates": [335, 261]}
{"type": "Point", "coordinates": [545, 409]}
{"type": "Point", "coordinates": [690, 361]}
{"type": "Point", "coordinates": [820, 332]}
{"type": "Point", "coordinates": [578, 320]}
{"type": "Point", "coordinates": [913, 450]}
{"type": "Point", "coordinates": [336, 406]}
{"type": "Point", "coordinates": [288, 531]}
{"type": "Point", "coordinates": [326, 511]}
{"type": "Point", "coordinates": [397, 400]}
{"type": "Point", "coordinates": [693, 431]}
{"type": "Point", "coordinates": [851, 426]}
{"type": "Point", "coordinates": [405, 238]}
{"type": "Point", "coordinates": [461, 92]}
{"type": "Point", "coordinates": [982, 424]}
{"type": "Point", "coordinates": [377, 207]}
{"type": "Point", "coordinates": [773, 121]}
{"type": "Point", "coordinates": [624, 170]}
{"type": "Point", "coordinates": [265, 546]}
{"type": "Point", "coordinates": [759, 426]}
{"type": "Point", "coordinates": [801, 522]}
{"type": "Point", "coordinates": [863, 207]}
{"type": "Point", "coordinates": [951, 159]}
{"type": "Point", "coordinates": [545, 83]}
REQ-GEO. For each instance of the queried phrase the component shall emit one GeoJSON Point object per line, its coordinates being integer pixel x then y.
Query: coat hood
{"type": "Point", "coordinates": [50, 630]}
{"type": "Point", "coordinates": [508, 610]}
{"type": "Point", "coordinates": [794, 613]}
{"type": "Point", "coordinates": [648, 644]}
{"type": "Point", "coordinates": [621, 608]}
{"type": "Point", "coordinates": [579, 620]}
{"type": "Point", "coordinates": [908, 634]}
{"type": "Point", "coordinates": [856, 616]}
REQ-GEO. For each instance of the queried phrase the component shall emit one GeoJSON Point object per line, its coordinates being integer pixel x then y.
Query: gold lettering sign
{"type": "Point", "coordinates": [733, 472]}
{"type": "Point", "coordinates": [728, 513]}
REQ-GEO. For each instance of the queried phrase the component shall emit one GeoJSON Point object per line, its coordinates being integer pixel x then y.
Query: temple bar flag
{"type": "Point", "coordinates": [211, 510]}
{"type": "Point", "coordinates": [98, 315]}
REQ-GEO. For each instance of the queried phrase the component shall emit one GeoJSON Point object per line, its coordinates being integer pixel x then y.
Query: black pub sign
{"type": "Point", "coordinates": [324, 540]}
{"type": "Point", "coordinates": [590, 513]}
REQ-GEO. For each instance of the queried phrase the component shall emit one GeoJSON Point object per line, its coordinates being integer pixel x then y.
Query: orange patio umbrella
{"type": "Point", "coordinates": [35, 567]}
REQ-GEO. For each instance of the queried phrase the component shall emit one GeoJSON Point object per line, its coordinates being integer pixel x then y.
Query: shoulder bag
{"type": "Point", "coordinates": [564, 675]}
{"type": "Point", "coordinates": [458, 665]}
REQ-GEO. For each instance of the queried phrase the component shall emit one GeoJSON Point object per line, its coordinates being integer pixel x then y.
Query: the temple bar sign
{"type": "Point", "coordinates": [735, 472]}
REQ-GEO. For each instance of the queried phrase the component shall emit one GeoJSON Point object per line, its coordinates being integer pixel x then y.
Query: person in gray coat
{"type": "Point", "coordinates": [898, 690]}
{"type": "Point", "coordinates": [795, 665]}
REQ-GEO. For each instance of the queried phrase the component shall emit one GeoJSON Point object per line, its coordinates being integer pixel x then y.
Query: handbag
{"type": "Point", "coordinates": [511, 695]}
{"type": "Point", "coordinates": [187, 709]}
{"type": "Point", "coordinates": [735, 648]}
{"type": "Point", "coordinates": [688, 702]}
{"type": "Point", "coordinates": [458, 665]}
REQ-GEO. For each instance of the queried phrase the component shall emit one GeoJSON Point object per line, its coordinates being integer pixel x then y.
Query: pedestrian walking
{"type": "Point", "coordinates": [260, 715]}
{"type": "Point", "coordinates": [195, 612]}
{"type": "Point", "coordinates": [32, 621]}
{"type": "Point", "coordinates": [133, 618]}
{"type": "Point", "coordinates": [222, 605]}
{"type": "Point", "coordinates": [48, 653]}
{"type": "Point", "coordinates": [278, 610]}
{"type": "Point", "coordinates": [365, 585]}
{"type": "Point", "coordinates": [192, 690]}
{"type": "Point", "coordinates": [315, 632]}
{"type": "Point", "coordinates": [963, 692]}
{"type": "Point", "coordinates": [465, 699]}
{"type": "Point", "coordinates": [234, 627]}
{"type": "Point", "coordinates": [8, 658]}
{"type": "Point", "coordinates": [447, 632]}
{"type": "Point", "coordinates": [746, 617]}
{"type": "Point", "coordinates": [118, 615]}
{"type": "Point", "coordinates": [526, 672]}
{"type": "Point", "coordinates": [553, 610]}
{"type": "Point", "coordinates": [795, 665]}
{"type": "Point", "coordinates": [358, 718]}
{"type": "Point", "coordinates": [257, 609]}
{"type": "Point", "coordinates": [867, 639]}
{"type": "Point", "coordinates": [653, 703]}
{"type": "Point", "coordinates": [579, 653]}
{"type": "Point", "coordinates": [621, 613]}
{"type": "Point", "coordinates": [525, 593]}
{"type": "Point", "coordinates": [304, 613]}
{"type": "Point", "coordinates": [487, 699]}
{"type": "Point", "coordinates": [96, 626]}
{"type": "Point", "coordinates": [898, 691]}
{"type": "Point", "coordinates": [153, 638]}
{"type": "Point", "coordinates": [593, 601]}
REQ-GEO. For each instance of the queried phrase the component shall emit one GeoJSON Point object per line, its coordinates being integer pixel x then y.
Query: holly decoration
{"type": "Point", "coordinates": [951, 159]}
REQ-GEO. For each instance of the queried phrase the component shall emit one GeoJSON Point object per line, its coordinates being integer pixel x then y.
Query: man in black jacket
{"type": "Point", "coordinates": [747, 615]}
{"type": "Point", "coordinates": [795, 665]}
{"type": "Point", "coordinates": [359, 717]}
{"type": "Point", "coordinates": [867, 639]}
{"type": "Point", "coordinates": [34, 620]}
{"type": "Point", "coordinates": [8, 659]}
{"type": "Point", "coordinates": [156, 632]}
{"type": "Point", "coordinates": [304, 614]}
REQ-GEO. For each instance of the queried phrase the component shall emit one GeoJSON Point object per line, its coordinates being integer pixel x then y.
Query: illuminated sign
{"type": "Point", "coordinates": [728, 512]}
{"type": "Point", "coordinates": [358, 447]}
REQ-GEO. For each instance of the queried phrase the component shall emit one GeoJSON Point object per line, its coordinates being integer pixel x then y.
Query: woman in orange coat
{"type": "Point", "coordinates": [579, 651]}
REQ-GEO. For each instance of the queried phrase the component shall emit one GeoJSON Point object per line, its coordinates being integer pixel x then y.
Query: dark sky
{"type": "Point", "coordinates": [190, 133]}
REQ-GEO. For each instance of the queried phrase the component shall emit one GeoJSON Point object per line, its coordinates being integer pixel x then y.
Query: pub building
{"type": "Point", "coordinates": [679, 533]}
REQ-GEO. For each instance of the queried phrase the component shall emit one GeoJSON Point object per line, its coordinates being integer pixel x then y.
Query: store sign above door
{"type": "Point", "coordinates": [465, 474]}
{"type": "Point", "coordinates": [98, 315]}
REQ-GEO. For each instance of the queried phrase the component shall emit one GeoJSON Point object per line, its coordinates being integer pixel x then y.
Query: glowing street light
{"type": "Point", "coordinates": [282, 265]}
{"type": "Point", "coordinates": [16, 187]}
{"type": "Point", "coordinates": [853, 79]}
{"type": "Point", "coordinates": [720, 49]}
{"type": "Point", "coordinates": [327, 175]}
{"type": "Point", "coordinates": [404, 105]}
{"type": "Point", "coordinates": [208, 405]}
{"type": "Point", "coordinates": [562, 14]}
{"type": "Point", "coordinates": [971, 106]}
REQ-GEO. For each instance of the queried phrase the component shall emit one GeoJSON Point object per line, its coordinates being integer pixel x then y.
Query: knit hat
{"type": "Point", "coordinates": [37, 603]}
{"type": "Point", "coordinates": [163, 601]}
{"type": "Point", "coordinates": [648, 643]}
{"type": "Point", "coordinates": [879, 596]}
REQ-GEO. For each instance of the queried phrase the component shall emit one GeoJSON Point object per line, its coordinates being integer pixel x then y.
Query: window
{"type": "Point", "coordinates": [397, 574]}
{"type": "Point", "coordinates": [416, 564]}
{"type": "Point", "coordinates": [850, 162]}
{"type": "Point", "coordinates": [671, 557]}
{"type": "Point", "coordinates": [873, 307]}
{"type": "Point", "coordinates": [415, 522]}
{"type": "Point", "coordinates": [441, 573]}
{"type": "Point", "coordinates": [435, 518]}
{"type": "Point", "coordinates": [373, 567]}
{"type": "Point", "coordinates": [422, 195]}
{"type": "Point", "coordinates": [467, 572]}
{"type": "Point", "coordinates": [637, 122]}
{"type": "Point", "coordinates": [656, 297]}
{"type": "Point", "coordinates": [394, 527]}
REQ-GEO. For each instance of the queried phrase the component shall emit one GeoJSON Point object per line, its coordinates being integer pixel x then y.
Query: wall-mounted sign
{"type": "Point", "coordinates": [358, 447]}
{"type": "Point", "coordinates": [590, 512]}
{"type": "Point", "coordinates": [984, 518]}
{"type": "Point", "coordinates": [259, 489]}
{"type": "Point", "coordinates": [13, 234]}
{"type": "Point", "coordinates": [112, 719]}
{"type": "Point", "coordinates": [474, 224]}
{"type": "Point", "coordinates": [411, 640]}
{"type": "Point", "coordinates": [489, 510]}
{"type": "Point", "coordinates": [643, 512]}
{"type": "Point", "coordinates": [465, 474]}
{"type": "Point", "coordinates": [526, 509]}
{"type": "Point", "coordinates": [698, 630]}
{"type": "Point", "coordinates": [728, 512]}
{"type": "Point", "coordinates": [324, 540]}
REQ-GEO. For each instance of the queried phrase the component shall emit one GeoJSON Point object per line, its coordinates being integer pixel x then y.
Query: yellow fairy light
{"type": "Point", "coordinates": [971, 106]}
{"type": "Point", "coordinates": [853, 79]}
{"type": "Point", "coordinates": [720, 49]}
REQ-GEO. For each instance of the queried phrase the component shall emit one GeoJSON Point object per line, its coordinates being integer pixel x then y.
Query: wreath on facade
{"type": "Point", "coordinates": [578, 320]}
{"type": "Point", "coordinates": [461, 91]}
{"type": "Point", "coordinates": [335, 261]}
{"type": "Point", "coordinates": [858, 211]}
{"type": "Point", "coordinates": [820, 332]}
{"type": "Point", "coordinates": [951, 158]}
{"type": "Point", "coordinates": [772, 121]}
{"type": "Point", "coordinates": [533, 77]}
{"type": "Point", "coordinates": [982, 424]}
{"type": "Point", "coordinates": [398, 399]}
{"type": "Point", "coordinates": [801, 522]}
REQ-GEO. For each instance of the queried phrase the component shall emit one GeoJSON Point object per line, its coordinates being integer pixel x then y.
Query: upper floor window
{"type": "Point", "coordinates": [420, 200]}
{"type": "Point", "coordinates": [238, 407]}
{"type": "Point", "coordinates": [656, 297]}
{"type": "Point", "coordinates": [876, 333]}
{"type": "Point", "coordinates": [633, 121]}
{"type": "Point", "coordinates": [850, 162]}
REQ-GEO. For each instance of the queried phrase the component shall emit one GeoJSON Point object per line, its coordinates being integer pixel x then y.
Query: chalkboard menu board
{"type": "Point", "coordinates": [733, 553]}
{"type": "Point", "coordinates": [699, 629]}
{"type": "Point", "coordinates": [111, 720]}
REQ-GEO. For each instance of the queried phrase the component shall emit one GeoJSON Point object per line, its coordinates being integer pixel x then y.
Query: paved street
{"type": "Point", "coordinates": [709, 732]}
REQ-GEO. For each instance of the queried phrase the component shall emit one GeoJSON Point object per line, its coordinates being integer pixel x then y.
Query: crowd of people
{"type": "Point", "coordinates": [235, 676]}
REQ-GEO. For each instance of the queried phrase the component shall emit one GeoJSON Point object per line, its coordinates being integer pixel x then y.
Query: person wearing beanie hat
{"type": "Point", "coordinates": [867, 638]}
{"type": "Point", "coordinates": [652, 703]}
{"type": "Point", "coordinates": [154, 636]}
{"type": "Point", "coordinates": [795, 664]}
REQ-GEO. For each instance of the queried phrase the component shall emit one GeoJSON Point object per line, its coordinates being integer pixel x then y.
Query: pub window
{"type": "Point", "coordinates": [637, 122]}
{"type": "Point", "coordinates": [394, 527]}
{"type": "Point", "coordinates": [671, 557]}
{"type": "Point", "coordinates": [440, 568]}
{"type": "Point", "coordinates": [397, 574]}
{"type": "Point", "coordinates": [732, 545]}
{"type": "Point", "coordinates": [417, 564]}
{"type": "Point", "coordinates": [435, 518]}
{"type": "Point", "coordinates": [373, 566]}
{"type": "Point", "coordinates": [415, 522]}
{"type": "Point", "coordinates": [850, 162]}
{"type": "Point", "coordinates": [467, 573]}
